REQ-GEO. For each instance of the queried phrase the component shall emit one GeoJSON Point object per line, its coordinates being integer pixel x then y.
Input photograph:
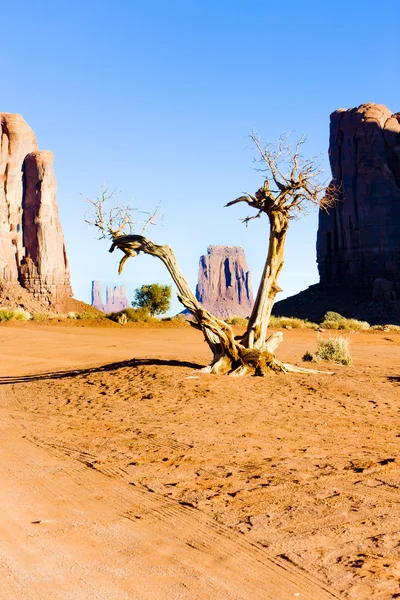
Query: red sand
{"type": "Point", "coordinates": [152, 480]}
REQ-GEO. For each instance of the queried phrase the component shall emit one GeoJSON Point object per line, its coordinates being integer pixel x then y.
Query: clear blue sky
{"type": "Point", "coordinates": [157, 98]}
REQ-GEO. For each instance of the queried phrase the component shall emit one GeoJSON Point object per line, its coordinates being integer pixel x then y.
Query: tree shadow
{"type": "Point", "coordinates": [133, 363]}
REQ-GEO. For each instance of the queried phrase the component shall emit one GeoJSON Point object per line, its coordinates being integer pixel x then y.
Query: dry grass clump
{"type": "Point", "coordinates": [179, 318]}
{"type": "Point", "coordinates": [234, 320]}
{"type": "Point", "coordinates": [17, 314]}
{"type": "Point", "coordinates": [333, 320]}
{"type": "Point", "coordinates": [291, 322]}
{"type": "Point", "coordinates": [332, 349]}
{"type": "Point", "coordinates": [385, 327]}
{"type": "Point", "coordinates": [133, 315]}
{"type": "Point", "coordinates": [88, 316]}
{"type": "Point", "coordinates": [43, 316]}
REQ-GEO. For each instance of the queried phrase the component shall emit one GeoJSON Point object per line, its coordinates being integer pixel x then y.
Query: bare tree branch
{"type": "Point", "coordinates": [117, 220]}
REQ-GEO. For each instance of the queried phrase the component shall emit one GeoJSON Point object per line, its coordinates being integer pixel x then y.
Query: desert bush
{"type": "Point", "coordinates": [308, 357]}
{"type": "Point", "coordinates": [87, 316]}
{"type": "Point", "coordinates": [332, 349]}
{"type": "Point", "coordinates": [332, 316]}
{"type": "Point", "coordinates": [386, 327]}
{"type": "Point", "coordinates": [136, 315]}
{"type": "Point", "coordinates": [346, 324]}
{"type": "Point", "coordinates": [180, 318]}
{"type": "Point", "coordinates": [6, 314]}
{"type": "Point", "coordinates": [42, 316]}
{"type": "Point", "coordinates": [21, 315]}
{"type": "Point", "coordinates": [18, 314]}
{"type": "Point", "coordinates": [241, 321]}
{"type": "Point", "coordinates": [133, 315]}
{"type": "Point", "coordinates": [278, 322]}
{"type": "Point", "coordinates": [71, 315]}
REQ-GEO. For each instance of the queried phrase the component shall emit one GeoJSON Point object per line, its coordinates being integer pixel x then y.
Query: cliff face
{"type": "Point", "coordinates": [359, 240]}
{"type": "Point", "coordinates": [32, 250]}
{"type": "Point", "coordinates": [224, 285]}
{"type": "Point", "coordinates": [116, 299]}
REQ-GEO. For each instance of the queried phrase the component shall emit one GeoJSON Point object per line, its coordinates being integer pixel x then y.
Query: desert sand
{"type": "Point", "coordinates": [127, 473]}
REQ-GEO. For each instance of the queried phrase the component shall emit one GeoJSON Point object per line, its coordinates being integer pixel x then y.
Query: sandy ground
{"type": "Point", "coordinates": [126, 473]}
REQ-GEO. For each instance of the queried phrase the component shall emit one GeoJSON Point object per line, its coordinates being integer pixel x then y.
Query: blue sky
{"type": "Point", "coordinates": [157, 99]}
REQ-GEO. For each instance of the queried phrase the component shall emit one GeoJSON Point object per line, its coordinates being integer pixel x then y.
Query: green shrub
{"type": "Point", "coordinates": [154, 298]}
{"type": "Point", "coordinates": [332, 349]}
{"type": "Point", "coordinates": [6, 314]}
{"type": "Point", "coordinates": [279, 322]}
{"type": "Point", "coordinates": [19, 314]}
{"type": "Point", "coordinates": [332, 316]}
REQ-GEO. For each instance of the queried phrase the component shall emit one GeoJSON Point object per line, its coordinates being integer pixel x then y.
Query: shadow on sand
{"type": "Point", "coordinates": [133, 363]}
{"type": "Point", "coordinates": [394, 379]}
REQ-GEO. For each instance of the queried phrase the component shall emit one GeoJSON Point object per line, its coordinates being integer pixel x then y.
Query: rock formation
{"type": "Point", "coordinates": [224, 285]}
{"type": "Point", "coordinates": [116, 299]}
{"type": "Point", "coordinates": [32, 250]}
{"type": "Point", "coordinates": [359, 239]}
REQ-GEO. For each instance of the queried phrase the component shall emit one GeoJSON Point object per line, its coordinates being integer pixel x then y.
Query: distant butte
{"type": "Point", "coordinates": [224, 284]}
{"type": "Point", "coordinates": [116, 299]}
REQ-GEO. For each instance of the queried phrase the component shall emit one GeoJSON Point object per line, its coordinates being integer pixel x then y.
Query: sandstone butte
{"type": "Point", "coordinates": [359, 238]}
{"type": "Point", "coordinates": [32, 251]}
{"type": "Point", "coordinates": [224, 283]}
{"type": "Point", "coordinates": [116, 299]}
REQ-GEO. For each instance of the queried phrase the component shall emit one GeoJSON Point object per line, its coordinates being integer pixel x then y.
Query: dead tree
{"type": "Point", "coordinates": [291, 183]}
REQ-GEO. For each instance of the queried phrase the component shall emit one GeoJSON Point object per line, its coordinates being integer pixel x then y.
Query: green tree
{"type": "Point", "coordinates": [153, 297]}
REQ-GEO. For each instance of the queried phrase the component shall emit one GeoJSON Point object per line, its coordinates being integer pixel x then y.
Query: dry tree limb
{"type": "Point", "coordinates": [229, 354]}
{"type": "Point", "coordinates": [298, 185]}
{"type": "Point", "coordinates": [117, 219]}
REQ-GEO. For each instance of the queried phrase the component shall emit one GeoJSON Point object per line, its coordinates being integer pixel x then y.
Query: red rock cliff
{"type": "Point", "coordinates": [224, 285]}
{"type": "Point", "coordinates": [32, 250]}
{"type": "Point", "coordinates": [359, 238]}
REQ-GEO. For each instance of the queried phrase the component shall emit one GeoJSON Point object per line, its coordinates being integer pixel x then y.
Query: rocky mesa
{"type": "Point", "coordinates": [32, 249]}
{"type": "Point", "coordinates": [358, 240]}
{"type": "Point", "coordinates": [224, 283]}
{"type": "Point", "coordinates": [359, 237]}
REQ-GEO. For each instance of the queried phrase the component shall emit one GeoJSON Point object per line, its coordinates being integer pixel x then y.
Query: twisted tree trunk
{"type": "Point", "coordinates": [250, 354]}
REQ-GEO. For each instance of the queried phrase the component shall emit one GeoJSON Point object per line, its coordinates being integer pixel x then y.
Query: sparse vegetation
{"type": "Point", "coordinates": [6, 314]}
{"type": "Point", "coordinates": [332, 316]}
{"type": "Point", "coordinates": [43, 316]}
{"type": "Point", "coordinates": [332, 349]}
{"type": "Point", "coordinates": [133, 315]}
{"type": "Point", "coordinates": [293, 322]}
{"type": "Point", "coordinates": [385, 327]}
{"type": "Point", "coordinates": [179, 318]}
{"type": "Point", "coordinates": [88, 316]}
{"type": "Point", "coordinates": [18, 314]}
{"type": "Point", "coordinates": [346, 324]}
{"type": "Point", "coordinates": [240, 321]}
